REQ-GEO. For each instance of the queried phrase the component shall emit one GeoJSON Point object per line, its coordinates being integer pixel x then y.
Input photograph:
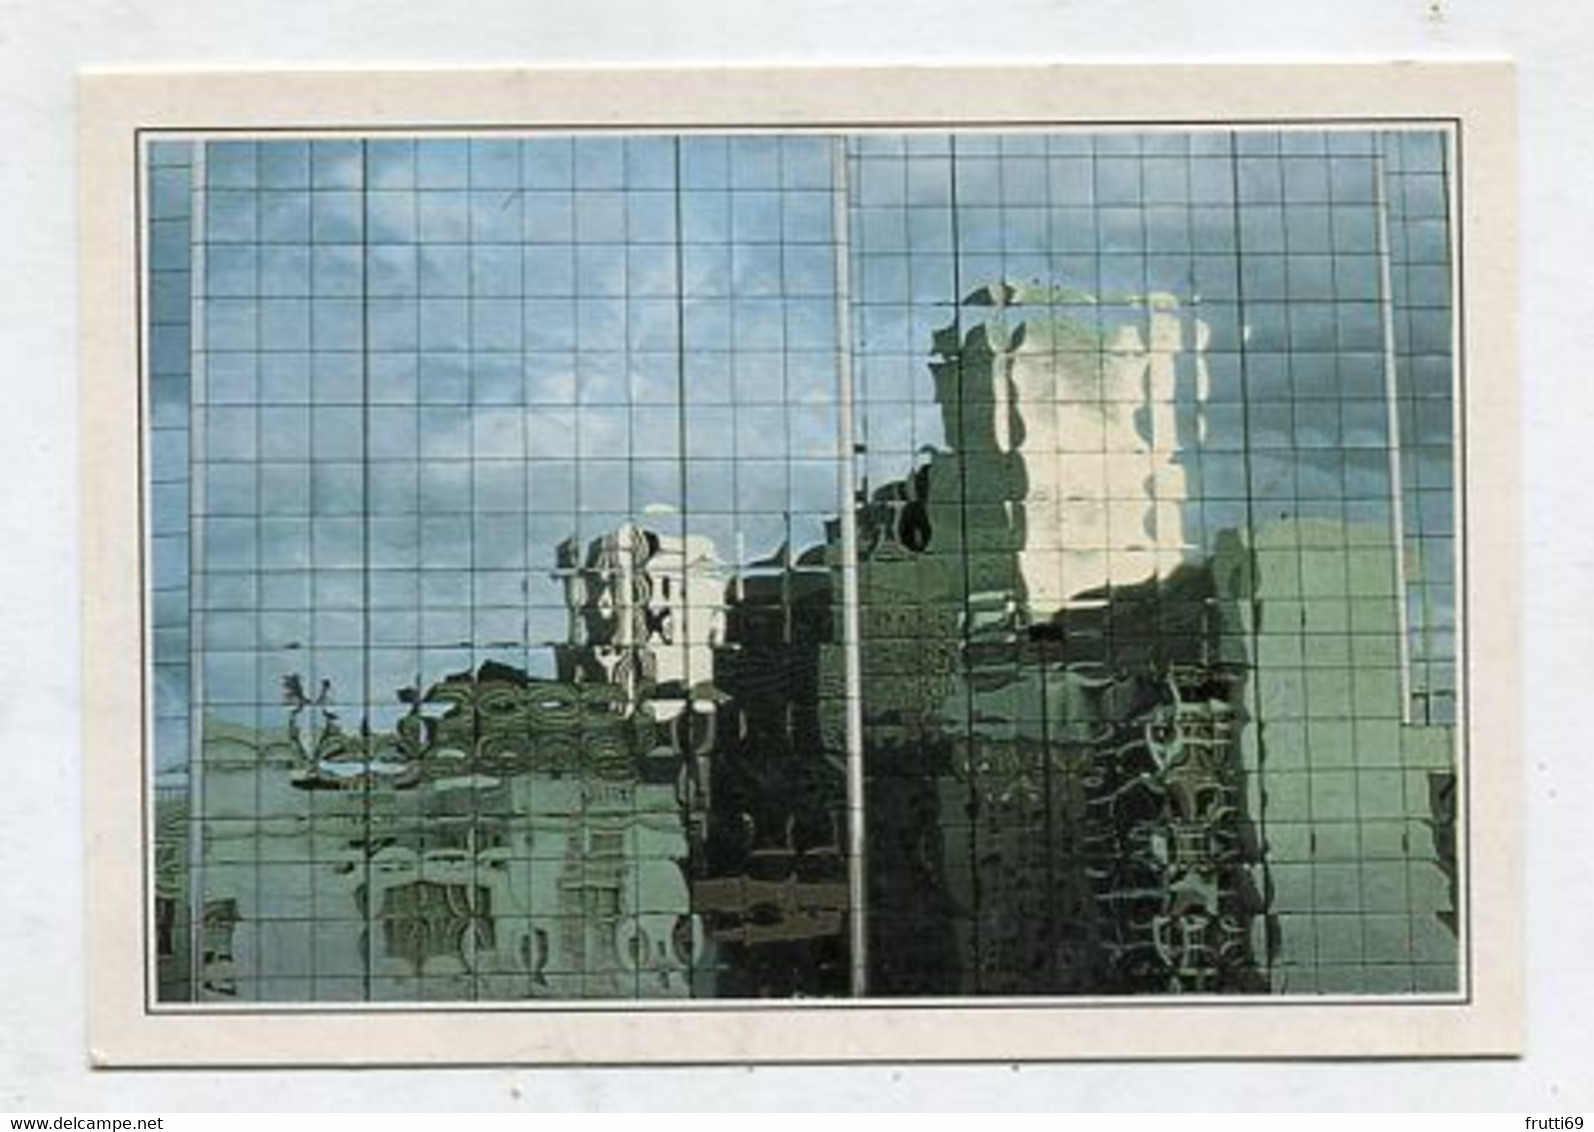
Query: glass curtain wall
{"type": "Point", "coordinates": [790, 565]}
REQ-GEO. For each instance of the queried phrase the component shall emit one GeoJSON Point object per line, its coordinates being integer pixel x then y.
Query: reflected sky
{"type": "Point", "coordinates": [566, 334]}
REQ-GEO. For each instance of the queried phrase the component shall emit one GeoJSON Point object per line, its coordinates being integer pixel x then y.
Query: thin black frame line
{"type": "Point", "coordinates": [1458, 330]}
{"type": "Point", "coordinates": [464, 130]}
{"type": "Point", "coordinates": [146, 637]}
{"type": "Point", "coordinates": [1466, 643]}
{"type": "Point", "coordinates": [742, 1006]}
{"type": "Point", "coordinates": [744, 1063]}
{"type": "Point", "coordinates": [1456, 125]}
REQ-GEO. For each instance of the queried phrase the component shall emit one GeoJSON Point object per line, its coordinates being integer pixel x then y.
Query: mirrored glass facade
{"type": "Point", "coordinates": [668, 567]}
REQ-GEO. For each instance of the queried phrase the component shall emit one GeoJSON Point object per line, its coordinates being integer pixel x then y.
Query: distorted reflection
{"type": "Point", "coordinates": [506, 540]}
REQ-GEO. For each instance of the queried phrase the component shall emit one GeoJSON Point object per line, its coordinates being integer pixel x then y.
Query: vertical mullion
{"type": "Point", "coordinates": [958, 443]}
{"type": "Point", "coordinates": [695, 846]}
{"type": "Point", "coordinates": [198, 368]}
{"type": "Point", "coordinates": [1397, 491]}
{"type": "Point", "coordinates": [367, 747]}
{"type": "Point", "coordinates": [857, 817]}
{"type": "Point", "coordinates": [1253, 693]}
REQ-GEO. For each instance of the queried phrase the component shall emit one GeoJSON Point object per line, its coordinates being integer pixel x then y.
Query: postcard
{"type": "Point", "coordinates": [800, 565]}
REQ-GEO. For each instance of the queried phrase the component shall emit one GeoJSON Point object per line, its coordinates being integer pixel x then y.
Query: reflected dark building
{"type": "Point", "coordinates": [1058, 800]}
{"type": "Point", "coordinates": [772, 889]}
{"type": "Point", "coordinates": [729, 667]}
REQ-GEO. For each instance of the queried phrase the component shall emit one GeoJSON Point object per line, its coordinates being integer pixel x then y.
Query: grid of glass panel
{"type": "Point", "coordinates": [501, 564]}
{"type": "Point", "coordinates": [1417, 194]}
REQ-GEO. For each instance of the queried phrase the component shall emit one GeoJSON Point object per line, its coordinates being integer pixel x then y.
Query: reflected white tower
{"type": "Point", "coordinates": [1086, 396]}
{"type": "Point", "coordinates": [650, 608]}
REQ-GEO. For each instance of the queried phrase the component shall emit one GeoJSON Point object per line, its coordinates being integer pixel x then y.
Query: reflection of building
{"type": "Point", "coordinates": [770, 885]}
{"type": "Point", "coordinates": [1101, 677]}
{"type": "Point", "coordinates": [646, 612]}
{"type": "Point", "coordinates": [1057, 801]}
{"type": "Point", "coordinates": [1183, 776]}
{"type": "Point", "coordinates": [658, 619]}
{"type": "Point", "coordinates": [1355, 806]}
{"type": "Point", "coordinates": [499, 844]}
{"type": "Point", "coordinates": [514, 837]}
{"type": "Point", "coordinates": [1096, 764]}
{"type": "Point", "coordinates": [1063, 416]}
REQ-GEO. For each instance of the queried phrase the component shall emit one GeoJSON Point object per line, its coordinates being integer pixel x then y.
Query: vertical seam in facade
{"type": "Point", "coordinates": [198, 296]}
{"type": "Point", "coordinates": [1397, 491]}
{"type": "Point", "coordinates": [857, 816]}
{"type": "Point", "coordinates": [1249, 562]}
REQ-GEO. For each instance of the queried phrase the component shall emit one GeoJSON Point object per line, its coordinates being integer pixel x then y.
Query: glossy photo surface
{"type": "Point", "coordinates": [622, 566]}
